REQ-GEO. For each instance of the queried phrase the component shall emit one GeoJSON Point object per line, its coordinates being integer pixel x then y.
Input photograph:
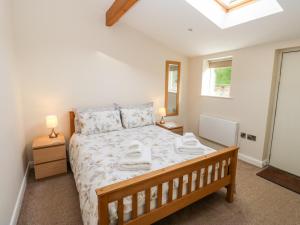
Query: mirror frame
{"type": "Point", "coordinates": [168, 62]}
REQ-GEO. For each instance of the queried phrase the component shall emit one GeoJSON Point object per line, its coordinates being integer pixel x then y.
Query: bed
{"type": "Point", "coordinates": [110, 196]}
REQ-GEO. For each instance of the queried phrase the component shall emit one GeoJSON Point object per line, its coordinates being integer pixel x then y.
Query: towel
{"type": "Point", "coordinates": [189, 135]}
{"type": "Point", "coordinates": [141, 161]}
{"type": "Point", "coordinates": [189, 139]}
{"type": "Point", "coordinates": [198, 149]}
{"type": "Point", "coordinates": [134, 167]}
{"type": "Point", "coordinates": [134, 149]}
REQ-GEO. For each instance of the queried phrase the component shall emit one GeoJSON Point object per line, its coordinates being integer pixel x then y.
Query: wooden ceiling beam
{"type": "Point", "coordinates": [117, 10]}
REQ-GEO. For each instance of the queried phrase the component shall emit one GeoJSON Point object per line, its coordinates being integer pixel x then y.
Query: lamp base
{"type": "Point", "coordinates": [53, 134]}
{"type": "Point", "coordinates": [162, 121]}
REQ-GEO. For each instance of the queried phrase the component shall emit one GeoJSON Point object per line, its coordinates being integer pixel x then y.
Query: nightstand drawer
{"type": "Point", "coordinates": [49, 154]}
{"type": "Point", "coordinates": [178, 131]}
{"type": "Point", "coordinates": [50, 168]}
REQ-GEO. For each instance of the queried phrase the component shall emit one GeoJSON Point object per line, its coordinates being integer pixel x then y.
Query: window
{"type": "Point", "coordinates": [229, 5]}
{"type": "Point", "coordinates": [216, 78]}
{"type": "Point", "coordinates": [229, 13]}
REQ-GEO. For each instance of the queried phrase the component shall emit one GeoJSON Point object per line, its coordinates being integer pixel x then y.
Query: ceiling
{"type": "Point", "coordinates": [169, 21]}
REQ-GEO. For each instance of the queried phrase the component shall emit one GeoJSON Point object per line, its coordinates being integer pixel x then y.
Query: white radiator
{"type": "Point", "coordinates": [218, 130]}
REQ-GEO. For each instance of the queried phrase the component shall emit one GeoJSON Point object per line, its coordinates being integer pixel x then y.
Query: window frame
{"type": "Point", "coordinates": [228, 8]}
{"type": "Point", "coordinates": [206, 85]}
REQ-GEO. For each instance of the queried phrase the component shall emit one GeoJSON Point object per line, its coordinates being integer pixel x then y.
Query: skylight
{"type": "Point", "coordinates": [229, 13]}
{"type": "Point", "coordinates": [233, 4]}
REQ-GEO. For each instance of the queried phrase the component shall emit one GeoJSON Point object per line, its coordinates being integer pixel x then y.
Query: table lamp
{"type": "Point", "coordinates": [162, 113]}
{"type": "Point", "coordinates": [51, 122]}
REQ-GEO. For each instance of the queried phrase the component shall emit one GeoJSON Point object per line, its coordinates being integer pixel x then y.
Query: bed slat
{"type": "Point", "coordinates": [180, 186]}
{"type": "Point", "coordinates": [147, 200]}
{"type": "Point", "coordinates": [170, 191]}
{"type": "Point", "coordinates": [197, 184]}
{"type": "Point", "coordinates": [134, 206]}
{"type": "Point", "coordinates": [120, 212]}
{"type": "Point", "coordinates": [190, 181]}
{"type": "Point", "coordinates": [159, 195]}
{"type": "Point", "coordinates": [226, 167]}
{"type": "Point", "coordinates": [213, 172]}
{"type": "Point", "coordinates": [205, 179]}
{"type": "Point", "coordinates": [220, 169]}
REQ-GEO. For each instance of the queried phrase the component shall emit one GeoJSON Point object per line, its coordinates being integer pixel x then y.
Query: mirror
{"type": "Point", "coordinates": [172, 88]}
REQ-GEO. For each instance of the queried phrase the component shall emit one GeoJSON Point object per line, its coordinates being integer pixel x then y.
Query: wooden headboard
{"type": "Point", "coordinates": [72, 123]}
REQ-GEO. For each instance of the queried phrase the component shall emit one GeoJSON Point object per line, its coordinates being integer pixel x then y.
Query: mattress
{"type": "Point", "coordinates": [94, 162]}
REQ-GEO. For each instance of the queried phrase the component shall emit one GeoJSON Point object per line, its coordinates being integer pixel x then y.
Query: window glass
{"type": "Point", "coordinates": [216, 79]}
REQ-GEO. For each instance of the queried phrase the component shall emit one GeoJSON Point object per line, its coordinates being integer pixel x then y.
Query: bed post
{"type": "Point", "coordinates": [72, 122]}
{"type": "Point", "coordinates": [103, 210]}
{"type": "Point", "coordinates": [232, 173]}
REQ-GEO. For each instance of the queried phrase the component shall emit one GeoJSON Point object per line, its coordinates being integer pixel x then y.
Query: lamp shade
{"type": "Point", "coordinates": [162, 111]}
{"type": "Point", "coordinates": [51, 121]}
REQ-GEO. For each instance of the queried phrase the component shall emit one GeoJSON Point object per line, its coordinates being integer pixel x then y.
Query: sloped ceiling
{"type": "Point", "coordinates": [169, 21]}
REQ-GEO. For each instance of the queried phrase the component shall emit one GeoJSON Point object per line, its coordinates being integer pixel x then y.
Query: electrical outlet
{"type": "Point", "coordinates": [243, 135]}
{"type": "Point", "coordinates": [251, 137]}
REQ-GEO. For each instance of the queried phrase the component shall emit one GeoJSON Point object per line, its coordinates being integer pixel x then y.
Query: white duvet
{"type": "Point", "coordinates": [94, 162]}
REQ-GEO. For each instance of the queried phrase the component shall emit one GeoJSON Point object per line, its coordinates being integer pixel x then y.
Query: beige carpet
{"type": "Point", "coordinates": [257, 201]}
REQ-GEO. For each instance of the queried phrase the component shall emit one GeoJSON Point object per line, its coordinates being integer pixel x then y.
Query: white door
{"type": "Point", "coordinates": [285, 152]}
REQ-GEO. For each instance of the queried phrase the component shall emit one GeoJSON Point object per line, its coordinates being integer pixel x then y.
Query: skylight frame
{"type": "Point", "coordinates": [229, 7]}
{"type": "Point", "coordinates": [216, 14]}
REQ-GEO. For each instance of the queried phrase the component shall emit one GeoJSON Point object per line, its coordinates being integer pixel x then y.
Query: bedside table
{"type": "Point", "coordinates": [49, 156]}
{"type": "Point", "coordinates": [172, 126]}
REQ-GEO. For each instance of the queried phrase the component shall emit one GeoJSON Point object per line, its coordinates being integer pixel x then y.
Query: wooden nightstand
{"type": "Point", "coordinates": [172, 126]}
{"type": "Point", "coordinates": [49, 156]}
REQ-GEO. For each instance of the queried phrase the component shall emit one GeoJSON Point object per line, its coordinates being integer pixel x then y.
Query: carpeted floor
{"type": "Point", "coordinates": [54, 201]}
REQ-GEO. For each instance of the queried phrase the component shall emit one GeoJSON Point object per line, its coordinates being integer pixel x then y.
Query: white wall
{"type": "Point", "coordinates": [13, 157]}
{"type": "Point", "coordinates": [251, 88]}
{"type": "Point", "coordinates": [69, 58]}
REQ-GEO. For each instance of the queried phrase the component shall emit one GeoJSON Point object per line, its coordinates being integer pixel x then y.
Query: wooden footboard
{"type": "Point", "coordinates": [224, 177]}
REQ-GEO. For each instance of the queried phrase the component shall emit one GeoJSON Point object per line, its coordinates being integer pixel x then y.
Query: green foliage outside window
{"type": "Point", "coordinates": [223, 76]}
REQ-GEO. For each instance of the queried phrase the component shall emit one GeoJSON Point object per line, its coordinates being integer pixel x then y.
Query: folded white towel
{"type": "Point", "coordinates": [141, 162]}
{"type": "Point", "coordinates": [189, 139]}
{"type": "Point", "coordinates": [136, 167]}
{"type": "Point", "coordinates": [179, 144]}
{"type": "Point", "coordinates": [197, 149]}
{"type": "Point", "coordinates": [189, 135]}
{"type": "Point", "coordinates": [134, 149]}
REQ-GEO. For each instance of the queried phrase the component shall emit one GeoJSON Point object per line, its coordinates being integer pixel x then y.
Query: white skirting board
{"type": "Point", "coordinates": [252, 160]}
{"type": "Point", "coordinates": [17, 208]}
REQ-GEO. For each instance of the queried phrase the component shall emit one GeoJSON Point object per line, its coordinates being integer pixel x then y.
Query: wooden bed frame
{"type": "Point", "coordinates": [131, 187]}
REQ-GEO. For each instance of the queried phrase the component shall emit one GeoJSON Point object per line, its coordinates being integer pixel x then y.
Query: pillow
{"type": "Point", "coordinates": [99, 121]}
{"type": "Point", "coordinates": [91, 109]}
{"type": "Point", "coordinates": [137, 115]}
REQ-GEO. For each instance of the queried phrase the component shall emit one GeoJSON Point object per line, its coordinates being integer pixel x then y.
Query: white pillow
{"type": "Point", "coordinates": [137, 115]}
{"type": "Point", "coordinates": [99, 122]}
{"type": "Point", "coordinates": [90, 109]}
